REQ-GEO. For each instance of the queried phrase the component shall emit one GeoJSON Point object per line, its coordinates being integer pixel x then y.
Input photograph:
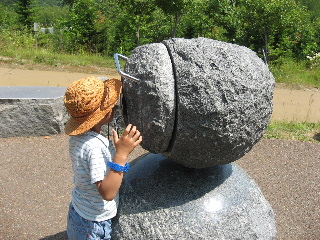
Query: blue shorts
{"type": "Point", "coordinates": [83, 229]}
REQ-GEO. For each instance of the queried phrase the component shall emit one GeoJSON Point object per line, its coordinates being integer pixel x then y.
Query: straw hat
{"type": "Point", "coordinates": [88, 101]}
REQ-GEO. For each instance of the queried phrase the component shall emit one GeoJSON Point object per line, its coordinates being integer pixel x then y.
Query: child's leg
{"type": "Point", "coordinates": [83, 229]}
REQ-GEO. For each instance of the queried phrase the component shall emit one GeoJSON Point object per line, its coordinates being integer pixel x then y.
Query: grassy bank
{"type": "Point", "coordinates": [294, 131]}
{"type": "Point", "coordinates": [42, 59]}
{"type": "Point", "coordinates": [298, 74]}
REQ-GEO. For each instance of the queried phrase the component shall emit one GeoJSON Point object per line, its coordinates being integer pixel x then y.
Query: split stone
{"type": "Point", "coordinates": [222, 96]}
{"type": "Point", "coordinates": [150, 104]}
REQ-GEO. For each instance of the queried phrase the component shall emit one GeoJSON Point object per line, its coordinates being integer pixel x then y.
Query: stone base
{"type": "Point", "coordinates": [161, 199]}
{"type": "Point", "coordinates": [31, 111]}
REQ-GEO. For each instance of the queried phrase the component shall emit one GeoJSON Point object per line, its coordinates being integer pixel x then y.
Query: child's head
{"type": "Point", "coordinates": [88, 101]}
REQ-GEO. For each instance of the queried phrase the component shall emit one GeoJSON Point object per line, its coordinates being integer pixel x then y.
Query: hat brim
{"type": "Point", "coordinates": [76, 126]}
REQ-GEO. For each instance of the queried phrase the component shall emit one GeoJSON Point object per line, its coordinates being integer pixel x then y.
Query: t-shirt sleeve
{"type": "Point", "coordinates": [97, 165]}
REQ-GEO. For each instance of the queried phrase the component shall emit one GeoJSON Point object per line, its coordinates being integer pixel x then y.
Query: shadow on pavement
{"type": "Point", "coordinates": [317, 137]}
{"type": "Point", "coordinates": [58, 236]}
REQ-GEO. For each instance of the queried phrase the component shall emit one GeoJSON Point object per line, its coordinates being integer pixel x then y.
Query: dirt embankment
{"type": "Point", "coordinates": [296, 105]}
{"type": "Point", "coordinates": [289, 104]}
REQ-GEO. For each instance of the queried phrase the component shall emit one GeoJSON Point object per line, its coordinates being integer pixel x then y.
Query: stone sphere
{"type": "Point", "coordinates": [200, 102]}
{"type": "Point", "coordinates": [161, 199]}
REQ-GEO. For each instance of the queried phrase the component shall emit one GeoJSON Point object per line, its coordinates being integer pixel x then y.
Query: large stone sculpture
{"type": "Point", "coordinates": [200, 102]}
{"type": "Point", "coordinates": [203, 104]}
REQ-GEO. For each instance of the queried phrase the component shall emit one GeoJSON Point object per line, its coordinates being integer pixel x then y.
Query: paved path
{"type": "Point", "coordinates": [36, 183]}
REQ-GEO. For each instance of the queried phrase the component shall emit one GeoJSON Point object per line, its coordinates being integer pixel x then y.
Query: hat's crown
{"type": "Point", "coordinates": [84, 96]}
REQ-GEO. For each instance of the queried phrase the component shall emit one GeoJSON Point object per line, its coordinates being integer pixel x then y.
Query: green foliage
{"type": "Point", "coordinates": [293, 131]}
{"type": "Point", "coordinates": [303, 73]}
{"type": "Point", "coordinates": [298, 35]}
{"type": "Point", "coordinates": [138, 16]}
{"type": "Point", "coordinates": [279, 28]}
{"type": "Point", "coordinates": [8, 18]}
{"type": "Point", "coordinates": [16, 40]}
{"type": "Point", "coordinates": [25, 9]}
{"type": "Point", "coordinates": [83, 17]}
{"type": "Point", "coordinates": [51, 16]}
{"type": "Point", "coordinates": [227, 14]}
{"type": "Point", "coordinates": [52, 3]}
{"type": "Point", "coordinates": [313, 6]}
{"type": "Point", "coordinates": [175, 9]}
{"type": "Point", "coordinates": [314, 61]}
{"type": "Point", "coordinates": [195, 23]}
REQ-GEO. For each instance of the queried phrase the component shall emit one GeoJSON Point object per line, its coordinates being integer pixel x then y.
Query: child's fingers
{"type": "Point", "coordinates": [133, 131]}
{"type": "Point", "coordinates": [127, 130]}
{"type": "Point", "coordinates": [115, 136]}
{"type": "Point", "coordinates": [136, 135]}
{"type": "Point", "coordinates": [137, 142]}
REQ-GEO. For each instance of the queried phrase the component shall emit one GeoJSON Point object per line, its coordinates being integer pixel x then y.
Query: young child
{"type": "Point", "coordinates": [98, 168]}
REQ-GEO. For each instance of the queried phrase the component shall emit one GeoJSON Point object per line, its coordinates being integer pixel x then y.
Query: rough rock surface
{"type": "Point", "coordinates": [150, 103]}
{"type": "Point", "coordinates": [223, 95]}
{"type": "Point", "coordinates": [161, 199]}
{"type": "Point", "coordinates": [31, 111]}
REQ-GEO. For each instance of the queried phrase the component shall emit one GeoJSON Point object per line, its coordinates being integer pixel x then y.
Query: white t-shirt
{"type": "Point", "coordinates": [90, 153]}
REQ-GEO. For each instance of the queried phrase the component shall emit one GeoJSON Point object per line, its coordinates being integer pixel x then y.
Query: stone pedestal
{"type": "Point", "coordinates": [161, 199]}
{"type": "Point", "coordinates": [31, 111]}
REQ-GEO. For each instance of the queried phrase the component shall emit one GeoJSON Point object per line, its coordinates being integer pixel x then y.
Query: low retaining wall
{"type": "Point", "coordinates": [31, 111]}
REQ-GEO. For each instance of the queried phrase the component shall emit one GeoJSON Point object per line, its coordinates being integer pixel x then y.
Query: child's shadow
{"type": "Point", "coordinates": [58, 236]}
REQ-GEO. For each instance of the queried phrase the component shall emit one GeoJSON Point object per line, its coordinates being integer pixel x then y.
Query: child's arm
{"type": "Point", "coordinates": [110, 185]}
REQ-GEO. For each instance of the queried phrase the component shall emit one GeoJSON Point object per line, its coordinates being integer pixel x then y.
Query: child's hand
{"type": "Point", "coordinates": [130, 138]}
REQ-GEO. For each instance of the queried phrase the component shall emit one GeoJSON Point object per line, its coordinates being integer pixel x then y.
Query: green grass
{"type": "Point", "coordinates": [44, 57]}
{"type": "Point", "coordinates": [294, 131]}
{"type": "Point", "coordinates": [297, 74]}
{"type": "Point", "coordinates": [23, 48]}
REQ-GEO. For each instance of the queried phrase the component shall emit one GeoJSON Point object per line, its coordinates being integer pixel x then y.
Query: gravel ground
{"type": "Point", "coordinates": [36, 183]}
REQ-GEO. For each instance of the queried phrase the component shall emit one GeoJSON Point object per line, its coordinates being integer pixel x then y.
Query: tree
{"type": "Point", "coordinates": [313, 6]}
{"type": "Point", "coordinates": [196, 22]}
{"type": "Point", "coordinates": [226, 14]}
{"type": "Point", "coordinates": [8, 17]}
{"type": "Point", "coordinates": [282, 25]}
{"type": "Point", "coordinates": [25, 9]}
{"type": "Point", "coordinates": [7, 2]}
{"type": "Point", "coordinates": [175, 9]}
{"type": "Point", "coordinates": [50, 16]}
{"type": "Point", "coordinates": [84, 15]}
{"type": "Point", "coordinates": [262, 20]}
{"type": "Point", "coordinates": [68, 2]}
{"type": "Point", "coordinates": [139, 11]}
{"type": "Point", "coordinates": [52, 3]}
